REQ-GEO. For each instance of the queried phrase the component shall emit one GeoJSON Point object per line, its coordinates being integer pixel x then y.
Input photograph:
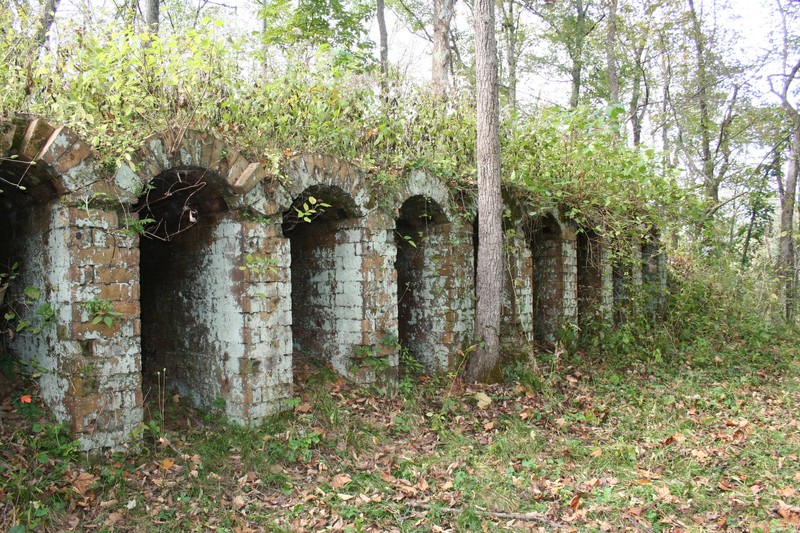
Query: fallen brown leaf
{"type": "Point", "coordinates": [238, 501]}
{"type": "Point", "coordinates": [112, 519]}
{"type": "Point", "coordinates": [340, 480]}
{"type": "Point", "coordinates": [83, 482]}
{"type": "Point", "coordinates": [575, 502]}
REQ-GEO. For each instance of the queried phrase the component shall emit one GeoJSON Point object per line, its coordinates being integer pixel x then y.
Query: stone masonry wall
{"type": "Point", "coordinates": [654, 274]}
{"type": "Point", "coordinates": [516, 333]}
{"type": "Point", "coordinates": [204, 319]}
{"type": "Point", "coordinates": [90, 372]}
{"type": "Point", "coordinates": [104, 397]}
{"type": "Point", "coordinates": [343, 293]}
{"type": "Point", "coordinates": [569, 264]}
{"type": "Point", "coordinates": [353, 283]}
{"type": "Point", "coordinates": [73, 251]}
{"type": "Point", "coordinates": [325, 295]}
{"type": "Point", "coordinates": [590, 277]}
{"type": "Point", "coordinates": [548, 280]}
{"type": "Point", "coordinates": [627, 276]}
{"type": "Point", "coordinates": [435, 284]}
{"type": "Point", "coordinates": [227, 305]}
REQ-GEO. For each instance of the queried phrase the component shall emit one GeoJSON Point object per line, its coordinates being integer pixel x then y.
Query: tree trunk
{"type": "Point", "coordinates": [151, 16]}
{"type": "Point", "coordinates": [489, 275]}
{"type": "Point", "coordinates": [510, 28]}
{"type": "Point", "coordinates": [48, 16]}
{"type": "Point", "coordinates": [442, 15]}
{"type": "Point", "coordinates": [576, 52]}
{"type": "Point", "coordinates": [710, 183]}
{"type": "Point", "coordinates": [575, 74]}
{"type": "Point", "coordinates": [384, 48]}
{"type": "Point", "coordinates": [638, 107]}
{"type": "Point", "coordinates": [611, 54]}
{"type": "Point", "coordinates": [787, 188]}
{"type": "Point", "coordinates": [787, 268]}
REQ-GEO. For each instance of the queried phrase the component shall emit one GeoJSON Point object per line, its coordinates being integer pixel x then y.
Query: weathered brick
{"type": "Point", "coordinates": [37, 133]}
{"type": "Point", "coordinates": [107, 273]}
{"type": "Point", "coordinates": [7, 130]}
{"type": "Point", "coordinates": [247, 178]}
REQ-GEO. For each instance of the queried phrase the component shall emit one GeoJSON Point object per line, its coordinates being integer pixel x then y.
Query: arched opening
{"type": "Point", "coordinates": [191, 316]}
{"type": "Point", "coordinates": [627, 278]}
{"type": "Point", "coordinates": [548, 278]}
{"type": "Point", "coordinates": [422, 239]}
{"type": "Point", "coordinates": [654, 273]}
{"type": "Point", "coordinates": [28, 212]}
{"type": "Point", "coordinates": [324, 234]}
{"type": "Point", "coordinates": [590, 277]}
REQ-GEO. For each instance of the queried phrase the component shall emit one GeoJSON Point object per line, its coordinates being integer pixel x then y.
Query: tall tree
{"type": "Point", "coordinates": [489, 275]}
{"type": "Point", "coordinates": [703, 82]}
{"type": "Point", "coordinates": [787, 187]}
{"type": "Point", "coordinates": [704, 99]}
{"type": "Point", "coordinates": [297, 25]}
{"type": "Point", "coordinates": [569, 24]}
{"type": "Point", "coordinates": [611, 54]}
{"type": "Point", "coordinates": [383, 46]}
{"type": "Point", "coordinates": [512, 37]}
{"type": "Point", "coordinates": [442, 17]}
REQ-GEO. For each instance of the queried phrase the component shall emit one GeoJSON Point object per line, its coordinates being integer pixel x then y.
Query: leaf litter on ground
{"type": "Point", "coordinates": [672, 450]}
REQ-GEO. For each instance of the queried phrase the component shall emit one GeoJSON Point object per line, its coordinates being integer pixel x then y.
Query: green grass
{"type": "Point", "coordinates": [590, 446]}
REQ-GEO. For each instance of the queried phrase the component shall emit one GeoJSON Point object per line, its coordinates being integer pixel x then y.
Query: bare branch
{"type": "Point", "coordinates": [416, 19]}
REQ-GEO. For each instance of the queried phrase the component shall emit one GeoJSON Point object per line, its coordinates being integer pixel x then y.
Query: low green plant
{"type": "Point", "coordinates": [259, 265]}
{"type": "Point", "coordinates": [101, 311]}
{"type": "Point", "coordinates": [310, 209]}
{"type": "Point", "coordinates": [137, 226]}
{"type": "Point", "coordinates": [410, 365]}
{"type": "Point", "coordinates": [366, 355]}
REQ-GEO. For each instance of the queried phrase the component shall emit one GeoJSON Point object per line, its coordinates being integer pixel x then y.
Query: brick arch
{"type": "Point", "coordinates": [433, 265]}
{"type": "Point", "coordinates": [62, 162]}
{"type": "Point", "coordinates": [516, 326]}
{"type": "Point", "coordinates": [654, 271]}
{"type": "Point", "coordinates": [342, 277]}
{"type": "Point", "coordinates": [594, 277]}
{"type": "Point", "coordinates": [190, 149]}
{"type": "Point", "coordinates": [310, 171]}
{"type": "Point", "coordinates": [65, 236]}
{"type": "Point", "coordinates": [420, 183]}
{"type": "Point", "coordinates": [213, 306]}
{"type": "Point", "coordinates": [435, 279]}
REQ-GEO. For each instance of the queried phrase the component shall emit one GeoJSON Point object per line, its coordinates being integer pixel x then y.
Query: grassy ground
{"type": "Point", "coordinates": [565, 444]}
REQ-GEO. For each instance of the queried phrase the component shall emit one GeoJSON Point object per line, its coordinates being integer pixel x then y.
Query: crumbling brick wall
{"type": "Point", "coordinates": [435, 283]}
{"type": "Point", "coordinates": [227, 302]}
{"type": "Point", "coordinates": [654, 273]}
{"type": "Point", "coordinates": [550, 268]}
{"type": "Point", "coordinates": [343, 277]}
{"type": "Point", "coordinates": [517, 317]}
{"type": "Point", "coordinates": [594, 276]}
{"type": "Point", "coordinates": [70, 248]}
{"type": "Point", "coordinates": [197, 306]}
{"type": "Point", "coordinates": [215, 311]}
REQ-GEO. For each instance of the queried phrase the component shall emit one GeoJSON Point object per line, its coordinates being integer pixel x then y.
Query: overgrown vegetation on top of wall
{"type": "Point", "coordinates": [115, 86]}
